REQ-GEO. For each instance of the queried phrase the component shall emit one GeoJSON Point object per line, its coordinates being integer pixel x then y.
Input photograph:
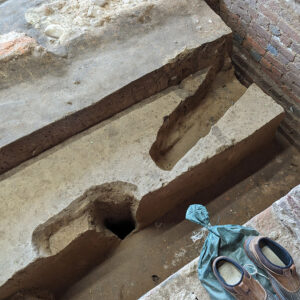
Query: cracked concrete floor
{"type": "Point", "coordinates": [146, 258]}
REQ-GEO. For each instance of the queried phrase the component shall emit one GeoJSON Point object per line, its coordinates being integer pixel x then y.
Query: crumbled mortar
{"type": "Point", "coordinates": [62, 20]}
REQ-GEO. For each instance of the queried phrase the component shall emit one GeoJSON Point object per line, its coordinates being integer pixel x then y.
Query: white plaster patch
{"type": "Point", "coordinates": [177, 257]}
{"type": "Point", "coordinates": [186, 295]}
{"type": "Point", "coordinates": [198, 234]}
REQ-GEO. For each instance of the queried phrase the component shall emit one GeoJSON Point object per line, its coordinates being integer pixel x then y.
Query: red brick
{"type": "Point", "coordinates": [288, 92]}
{"type": "Point", "coordinates": [296, 62]}
{"type": "Point", "coordinates": [276, 73]}
{"type": "Point", "coordinates": [18, 46]}
{"type": "Point", "coordinates": [282, 59]}
{"type": "Point", "coordinates": [263, 21]}
{"type": "Point", "coordinates": [262, 42]}
{"type": "Point", "coordinates": [253, 13]}
{"type": "Point", "coordinates": [250, 43]}
{"type": "Point", "coordinates": [289, 31]}
{"type": "Point", "coordinates": [286, 52]}
{"type": "Point", "coordinates": [266, 64]}
{"type": "Point", "coordinates": [270, 58]}
{"type": "Point", "coordinates": [251, 3]}
{"type": "Point", "coordinates": [270, 75]}
{"type": "Point", "coordinates": [6, 47]}
{"type": "Point", "coordinates": [268, 13]}
{"type": "Point", "coordinates": [285, 40]}
{"type": "Point", "coordinates": [296, 90]}
{"type": "Point", "coordinates": [292, 67]}
{"type": "Point", "coordinates": [241, 4]}
{"type": "Point", "coordinates": [279, 61]}
{"type": "Point", "coordinates": [295, 47]}
{"type": "Point", "coordinates": [242, 13]}
{"type": "Point", "coordinates": [292, 78]}
{"type": "Point", "coordinates": [273, 6]}
{"type": "Point", "coordinates": [260, 31]}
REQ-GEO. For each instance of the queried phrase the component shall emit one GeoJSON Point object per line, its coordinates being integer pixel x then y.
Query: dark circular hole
{"type": "Point", "coordinates": [121, 228]}
{"type": "Point", "coordinates": [155, 278]}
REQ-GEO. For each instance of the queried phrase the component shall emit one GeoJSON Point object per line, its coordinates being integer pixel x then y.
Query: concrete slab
{"type": "Point", "coordinates": [274, 222]}
{"type": "Point", "coordinates": [61, 86]}
{"type": "Point", "coordinates": [78, 191]}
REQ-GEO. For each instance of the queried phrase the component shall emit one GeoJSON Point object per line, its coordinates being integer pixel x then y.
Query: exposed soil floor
{"type": "Point", "coordinates": [146, 258]}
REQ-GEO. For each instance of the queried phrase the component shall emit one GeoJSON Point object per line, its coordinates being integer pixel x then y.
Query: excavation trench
{"type": "Point", "coordinates": [193, 118]}
{"type": "Point", "coordinates": [145, 258]}
{"type": "Point", "coordinates": [102, 214]}
{"type": "Point", "coordinates": [90, 230]}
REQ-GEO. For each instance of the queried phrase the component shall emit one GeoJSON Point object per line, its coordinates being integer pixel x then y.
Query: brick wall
{"type": "Point", "coordinates": [267, 50]}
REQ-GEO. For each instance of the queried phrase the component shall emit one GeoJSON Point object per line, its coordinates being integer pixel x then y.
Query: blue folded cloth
{"type": "Point", "coordinates": [222, 240]}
